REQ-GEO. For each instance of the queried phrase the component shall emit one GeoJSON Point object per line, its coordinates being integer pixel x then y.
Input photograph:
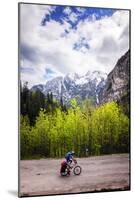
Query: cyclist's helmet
{"type": "Point", "coordinates": [72, 152]}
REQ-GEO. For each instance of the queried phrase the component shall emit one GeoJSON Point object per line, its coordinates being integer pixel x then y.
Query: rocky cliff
{"type": "Point", "coordinates": [117, 85]}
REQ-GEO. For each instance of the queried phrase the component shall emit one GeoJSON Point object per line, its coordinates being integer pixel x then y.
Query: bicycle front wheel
{"type": "Point", "coordinates": [77, 170]}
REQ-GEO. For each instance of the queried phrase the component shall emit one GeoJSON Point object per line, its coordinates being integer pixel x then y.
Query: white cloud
{"type": "Point", "coordinates": [67, 11]}
{"type": "Point", "coordinates": [81, 10]}
{"type": "Point", "coordinates": [49, 45]}
{"type": "Point", "coordinates": [73, 17]}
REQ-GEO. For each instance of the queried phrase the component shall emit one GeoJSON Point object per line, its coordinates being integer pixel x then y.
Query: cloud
{"type": "Point", "coordinates": [82, 45]}
{"type": "Point", "coordinates": [73, 17]}
{"type": "Point", "coordinates": [30, 53]}
{"type": "Point", "coordinates": [67, 11]}
{"type": "Point", "coordinates": [81, 10]}
{"type": "Point", "coordinates": [48, 51]}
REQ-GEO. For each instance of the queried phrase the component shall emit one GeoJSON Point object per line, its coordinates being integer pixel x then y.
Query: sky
{"type": "Point", "coordinates": [57, 40]}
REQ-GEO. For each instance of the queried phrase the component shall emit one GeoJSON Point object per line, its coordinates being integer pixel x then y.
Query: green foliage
{"type": "Point", "coordinates": [32, 101]}
{"type": "Point", "coordinates": [24, 137]}
{"type": "Point", "coordinates": [101, 130]}
{"type": "Point", "coordinates": [108, 124]}
{"type": "Point", "coordinates": [73, 103]}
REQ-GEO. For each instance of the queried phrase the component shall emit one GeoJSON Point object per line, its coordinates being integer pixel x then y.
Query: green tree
{"type": "Point", "coordinates": [24, 136]}
{"type": "Point", "coordinates": [106, 123]}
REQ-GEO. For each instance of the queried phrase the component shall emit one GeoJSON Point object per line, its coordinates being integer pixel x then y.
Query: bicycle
{"type": "Point", "coordinates": [72, 166]}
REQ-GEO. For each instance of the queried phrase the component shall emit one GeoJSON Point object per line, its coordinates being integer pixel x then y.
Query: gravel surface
{"type": "Point", "coordinates": [99, 173]}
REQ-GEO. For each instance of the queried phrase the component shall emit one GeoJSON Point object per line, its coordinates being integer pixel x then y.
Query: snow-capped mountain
{"type": "Point", "coordinates": [75, 85]}
{"type": "Point", "coordinates": [95, 85]}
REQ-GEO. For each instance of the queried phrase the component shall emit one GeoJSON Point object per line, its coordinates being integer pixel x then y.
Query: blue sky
{"type": "Point", "coordinates": [59, 14]}
{"type": "Point", "coordinates": [56, 40]}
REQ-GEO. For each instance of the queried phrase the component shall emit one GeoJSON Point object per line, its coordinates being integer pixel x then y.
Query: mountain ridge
{"type": "Point", "coordinates": [96, 85]}
{"type": "Point", "coordinates": [117, 83]}
{"type": "Point", "coordinates": [74, 85]}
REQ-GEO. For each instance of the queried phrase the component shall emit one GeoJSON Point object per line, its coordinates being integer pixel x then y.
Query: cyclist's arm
{"type": "Point", "coordinates": [74, 160]}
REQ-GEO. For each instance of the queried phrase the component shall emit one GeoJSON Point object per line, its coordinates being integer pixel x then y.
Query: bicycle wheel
{"type": "Point", "coordinates": [77, 170]}
{"type": "Point", "coordinates": [64, 173]}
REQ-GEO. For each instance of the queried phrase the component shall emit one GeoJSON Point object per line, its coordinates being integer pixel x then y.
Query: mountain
{"type": "Point", "coordinates": [74, 85]}
{"type": "Point", "coordinates": [96, 85]}
{"type": "Point", "coordinates": [117, 83]}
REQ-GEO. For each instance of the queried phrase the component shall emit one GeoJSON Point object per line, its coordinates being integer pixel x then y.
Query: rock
{"type": "Point", "coordinates": [117, 83]}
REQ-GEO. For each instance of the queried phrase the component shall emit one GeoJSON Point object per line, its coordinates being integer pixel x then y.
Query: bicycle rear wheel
{"type": "Point", "coordinates": [63, 173]}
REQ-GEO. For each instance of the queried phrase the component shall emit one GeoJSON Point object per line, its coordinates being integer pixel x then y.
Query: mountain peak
{"type": "Point", "coordinates": [73, 85]}
{"type": "Point", "coordinates": [96, 85]}
{"type": "Point", "coordinates": [72, 76]}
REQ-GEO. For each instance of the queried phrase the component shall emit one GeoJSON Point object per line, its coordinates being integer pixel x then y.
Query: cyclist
{"type": "Point", "coordinates": [69, 157]}
{"type": "Point", "coordinates": [63, 167]}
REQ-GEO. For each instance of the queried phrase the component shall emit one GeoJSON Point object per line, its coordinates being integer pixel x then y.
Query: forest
{"type": "Point", "coordinates": [50, 129]}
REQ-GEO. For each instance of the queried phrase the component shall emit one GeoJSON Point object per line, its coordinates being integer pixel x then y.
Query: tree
{"type": "Point", "coordinates": [24, 99]}
{"type": "Point", "coordinates": [106, 128]}
{"type": "Point", "coordinates": [24, 137]}
{"type": "Point", "coordinates": [101, 130]}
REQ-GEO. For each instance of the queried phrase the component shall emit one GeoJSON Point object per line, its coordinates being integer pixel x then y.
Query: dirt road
{"type": "Point", "coordinates": [99, 173]}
